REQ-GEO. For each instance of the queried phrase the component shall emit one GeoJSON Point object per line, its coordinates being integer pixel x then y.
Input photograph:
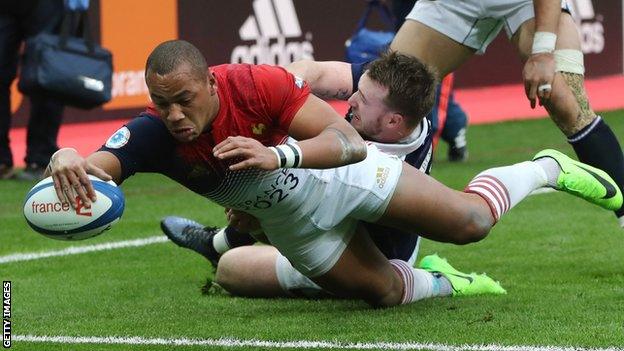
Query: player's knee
{"type": "Point", "coordinates": [384, 294]}
{"type": "Point", "coordinates": [475, 227]}
{"type": "Point", "coordinates": [389, 298]}
{"type": "Point", "coordinates": [226, 275]}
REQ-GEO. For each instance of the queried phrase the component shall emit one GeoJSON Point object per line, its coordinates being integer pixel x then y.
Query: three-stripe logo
{"type": "Point", "coordinates": [272, 22]}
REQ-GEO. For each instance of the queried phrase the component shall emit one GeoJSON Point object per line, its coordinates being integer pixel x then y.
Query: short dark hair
{"type": "Point", "coordinates": [169, 55]}
{"type": "Point", "coordinates": [411, 84]}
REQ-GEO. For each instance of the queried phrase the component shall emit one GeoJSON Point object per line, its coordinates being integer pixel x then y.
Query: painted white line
{"type": "Point", "coordinates": [75, 250]}
{"type": "Point", "coordinates": [301, 344]}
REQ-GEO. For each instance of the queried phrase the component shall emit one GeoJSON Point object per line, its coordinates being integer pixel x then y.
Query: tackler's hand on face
{"type": "Point", "coordinates": [538, 75]}
{"type": "Point", "coordinates": [246, 153]}
{"type": "Point", "coordinates": [69, 172]}
{"type": "Point", "coordinates": [241, 221]}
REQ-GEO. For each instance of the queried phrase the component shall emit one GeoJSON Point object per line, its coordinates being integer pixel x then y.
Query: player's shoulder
{"type": "Point", "coordinates": [147, 120]}
{"type": "Point", "coordinates": [250, 85]}
{"type": "Point", "coordinates": [141, 128]}
{"type": "Point", "coordinates": [244, 72]}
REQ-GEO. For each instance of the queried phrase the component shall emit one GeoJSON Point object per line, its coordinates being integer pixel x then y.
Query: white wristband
{"type": "Point", "coordinates": [544, 42]}
{"type": "Point", "coordinates": [288, 155]}
{"type": "Point", "coordinates": [279, 162]}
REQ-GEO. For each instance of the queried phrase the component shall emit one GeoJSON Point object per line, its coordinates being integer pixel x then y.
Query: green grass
{"type": "Point", "coordinates": [559, 258]}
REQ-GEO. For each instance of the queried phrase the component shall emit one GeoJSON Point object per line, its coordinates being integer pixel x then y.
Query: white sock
{"type": "Point", "coordinates": [219, 241]}
{"type": "Point", "coordinates": [419, 284]}
{"type": "Point", "coordinates": [504, 187]}
{"type": "Point", "coordinates": [551, 168]}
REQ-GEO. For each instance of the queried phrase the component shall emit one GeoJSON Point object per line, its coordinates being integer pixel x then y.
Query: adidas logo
{"type": "Point", "coordinates": [272, 22]}
{"type": "Point", "coordinates": [382, 176]}
{"type": "Point", "coordinates": [589, 24]}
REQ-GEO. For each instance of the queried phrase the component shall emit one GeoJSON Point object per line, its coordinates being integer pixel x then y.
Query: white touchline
{"type": "Point", "coordinates": [297, 344]}
{"type": "Point", "coordinates": [75, 250]}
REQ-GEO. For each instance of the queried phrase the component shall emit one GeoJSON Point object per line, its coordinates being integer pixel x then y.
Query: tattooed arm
{"type": "Point", "coordinates": [325, 142]}
{"type": "Point", "coordinates": [327, 79]}
{"type": "Point", "coordinates": [329, 141]}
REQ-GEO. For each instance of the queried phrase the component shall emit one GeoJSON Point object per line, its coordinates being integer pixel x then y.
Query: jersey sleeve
{"type": "Point", "coordinates": [142, 145]}
{"type": "Point", "coordinates": [282, 93]}
{"type": "Point", "coordinates": [357, 70]}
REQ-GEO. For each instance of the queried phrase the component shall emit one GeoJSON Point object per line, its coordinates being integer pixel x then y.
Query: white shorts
{"type": "Point", "coordinates": [474, 23]}
{"type": "Point", "coordinates": [292, 281]}
{"type": "Point", "coordinates": [315, 240]}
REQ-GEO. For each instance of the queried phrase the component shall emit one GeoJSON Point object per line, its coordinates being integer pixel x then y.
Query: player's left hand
{"type": "Point", "coordinates": [251, 151]}
{"type": "Point", "coordinates": [538, 75]}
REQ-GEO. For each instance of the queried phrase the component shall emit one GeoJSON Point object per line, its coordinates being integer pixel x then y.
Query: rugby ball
{"type": "Point", "coordinates": [46, 214]}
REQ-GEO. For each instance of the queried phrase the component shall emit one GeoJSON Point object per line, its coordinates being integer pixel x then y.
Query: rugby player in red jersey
{"type": "Point", "coordinates": [261, 270]}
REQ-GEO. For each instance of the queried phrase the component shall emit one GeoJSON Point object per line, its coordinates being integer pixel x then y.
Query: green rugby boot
{"type": "Point", "coordinates": [463, 284]}
{"type": "Point", "coordinates": [585, 181]}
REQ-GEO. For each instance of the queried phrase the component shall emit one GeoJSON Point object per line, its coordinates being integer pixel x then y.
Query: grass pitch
{"type": "Point", "coordinates": [559, 258]}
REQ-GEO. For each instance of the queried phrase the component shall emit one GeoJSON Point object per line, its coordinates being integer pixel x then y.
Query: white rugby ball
{"type": "Point", "coordinates": [46, 214]}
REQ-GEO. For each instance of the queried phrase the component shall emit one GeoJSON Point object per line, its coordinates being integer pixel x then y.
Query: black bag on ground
{"type": "Point", "coordinates": [72, 69]}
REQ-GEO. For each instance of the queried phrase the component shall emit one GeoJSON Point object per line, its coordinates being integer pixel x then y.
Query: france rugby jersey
{"type": "Point", "coordinates": [258, 102]}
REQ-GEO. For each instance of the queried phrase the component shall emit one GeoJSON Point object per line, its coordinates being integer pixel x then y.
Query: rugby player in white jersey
{"type": "Point", "coordinates": [446, 33]}
{"type": "Point", "coordinates": [204, 136]}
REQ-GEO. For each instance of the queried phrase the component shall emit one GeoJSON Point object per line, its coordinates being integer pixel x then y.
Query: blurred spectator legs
{"type": "Point", "coordinates": [20, 19]}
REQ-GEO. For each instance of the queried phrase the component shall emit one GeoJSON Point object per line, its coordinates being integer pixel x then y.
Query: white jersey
{"type": "Point", "coordinates": [407, 145]}
{"type": "Point", "coordinates": [309, 215]}
{"type": "Point", "coordinates": [293, 192]}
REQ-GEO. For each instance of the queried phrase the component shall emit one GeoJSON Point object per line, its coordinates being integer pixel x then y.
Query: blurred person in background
{"type": "Point", "coordinates": [19, 20]}
{"type": "Point", "coordinates": [446, 33]}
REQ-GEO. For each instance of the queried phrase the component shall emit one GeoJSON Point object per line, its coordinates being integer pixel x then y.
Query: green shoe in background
{"type": "Point", "coordinates": [585, 181]}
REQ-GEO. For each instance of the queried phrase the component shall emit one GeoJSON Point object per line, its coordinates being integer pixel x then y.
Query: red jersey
{"type": "Point", "coordinates": [256, 101]}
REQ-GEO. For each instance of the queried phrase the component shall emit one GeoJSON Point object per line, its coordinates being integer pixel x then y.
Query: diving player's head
{"type": "Point", "coordinates": [182, 89]}
{"type": "Point", "coordinates": [394, 95]}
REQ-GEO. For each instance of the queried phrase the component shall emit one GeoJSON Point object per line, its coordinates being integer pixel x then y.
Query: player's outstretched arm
{"type": "Point", "coordinates": [69, 172]}
{"type": "Point", "coordinates": [327, 79]}
{"type": "Point", "coordinates": [327, 141]}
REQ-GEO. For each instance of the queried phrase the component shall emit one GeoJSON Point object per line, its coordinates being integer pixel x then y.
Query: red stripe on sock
{"type": "Point", "coordinates": [503, 188]}
{"type": "Point", "coordinates": [405, 272]}
{"type": "Point", "coordinates": [499, 191]}
{"type": "Point", "coordinates": [484, 187]}
{"type": "Point", "coordinates": [488, 201]}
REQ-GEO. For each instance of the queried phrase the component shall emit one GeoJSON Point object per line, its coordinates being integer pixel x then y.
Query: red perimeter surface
{"type": "Point", "coordinates": [483, 105]}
